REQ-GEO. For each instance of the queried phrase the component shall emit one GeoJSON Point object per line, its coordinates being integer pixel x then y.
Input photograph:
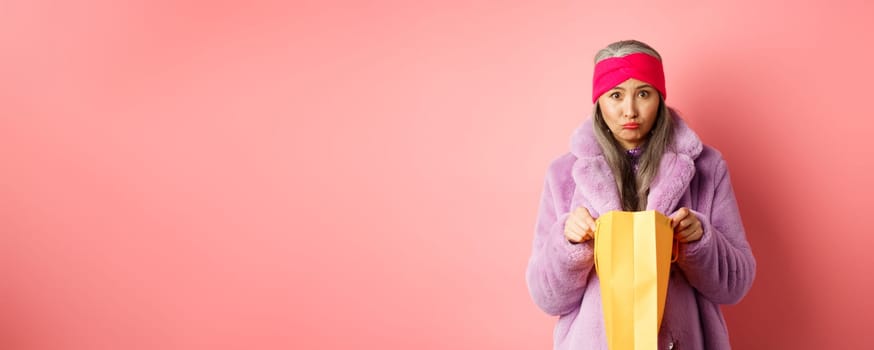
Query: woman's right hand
{"type": "Point", "coordinates": [579, 226]}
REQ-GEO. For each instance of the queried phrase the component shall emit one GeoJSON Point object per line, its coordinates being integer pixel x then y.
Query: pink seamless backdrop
{"type": "Point", "coordinates": [327, 175]}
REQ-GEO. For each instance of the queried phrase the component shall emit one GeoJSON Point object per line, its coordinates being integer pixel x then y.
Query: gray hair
{"type": "Point", "coordinates": [633, 187]}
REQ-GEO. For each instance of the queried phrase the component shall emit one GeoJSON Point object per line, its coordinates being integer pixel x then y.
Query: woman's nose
{"type": "Point", "coordinates": [629, 108]}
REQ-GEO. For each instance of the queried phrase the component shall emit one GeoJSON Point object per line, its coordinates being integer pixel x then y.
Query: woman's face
{"type": "Point", "coordinates": [630, 110]}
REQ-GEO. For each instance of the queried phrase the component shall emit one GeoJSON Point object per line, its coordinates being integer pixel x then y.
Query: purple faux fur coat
{"type": "Point", "coordinates": [717, 269]}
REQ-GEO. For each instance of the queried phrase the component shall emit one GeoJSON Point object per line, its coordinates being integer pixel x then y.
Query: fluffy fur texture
{"type": "Point", "coordinates": [718, 269]}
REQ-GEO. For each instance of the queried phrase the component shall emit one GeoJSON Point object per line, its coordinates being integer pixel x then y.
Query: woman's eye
{"type": "Point", "coordinates": [644, 93]}
{"type": "Point", "coordinates": [614, 95]}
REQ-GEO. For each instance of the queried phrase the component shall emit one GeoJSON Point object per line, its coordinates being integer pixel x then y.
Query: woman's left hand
{"type": "Point", "coordinates": [687, 227]}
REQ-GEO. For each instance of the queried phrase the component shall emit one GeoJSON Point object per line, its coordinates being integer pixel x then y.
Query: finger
{"type": "Point", "coordinates": [683, 236]}
{"type": "Point", "coordinates": [697, 234]}
{"type": "Point", "coordinates": [585, 220]}
{"type": "Point", "coordinates": [693, 235]}
{"type": "Point", "coordinates": [575, 226]}
{"type": "Point", "coordinates": [591, 223]}
{"type": "Point", "coordinates": [584, 213]}
{"type": "Point", "coordinates": [683, 225]}
{"type": "Point", "coordinates": [573, 237]}
{"type": "Point", "coordinates": [691, 221]}
{"type": "Point", "coordinates": [589, 220]}
{"type": "Point", "coordinates": [578, 226]}
{"type": "Point", "coordinates": [574, 230]}
{"type": "Point", "coordinates": [569, 234]}
{"type": "Point", "coordinates": [690, 234]}
{"type": "Point", "coordinates": [678, 217]}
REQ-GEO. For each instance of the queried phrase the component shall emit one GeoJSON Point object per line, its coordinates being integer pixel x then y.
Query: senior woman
{"type": "Point", "coordinates": [635, 153]}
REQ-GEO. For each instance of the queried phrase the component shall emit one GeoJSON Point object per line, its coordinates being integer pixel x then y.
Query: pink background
{"type": "Point", "coordinates": [325, 175]}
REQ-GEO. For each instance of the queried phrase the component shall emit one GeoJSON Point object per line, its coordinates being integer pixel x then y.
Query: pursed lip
{"type": "Point", "coordinates": [630, 126]}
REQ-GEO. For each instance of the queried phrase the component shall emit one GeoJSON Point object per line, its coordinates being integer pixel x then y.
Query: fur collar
{"type": "Point", "coordinates": [596, 187]}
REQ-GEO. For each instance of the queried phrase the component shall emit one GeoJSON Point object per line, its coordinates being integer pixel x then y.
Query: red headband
{"type": "Point", "coordinates": [615, 70]}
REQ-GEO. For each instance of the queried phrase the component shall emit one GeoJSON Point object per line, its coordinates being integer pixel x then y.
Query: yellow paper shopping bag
{"type": "Point", "coordinates": [633, 261]}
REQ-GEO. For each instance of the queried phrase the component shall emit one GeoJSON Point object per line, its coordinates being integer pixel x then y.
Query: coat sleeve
{"type": "Point", "coordinates": [720, 265]}
{"type": "Point", "coordinates": [557, 270]}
